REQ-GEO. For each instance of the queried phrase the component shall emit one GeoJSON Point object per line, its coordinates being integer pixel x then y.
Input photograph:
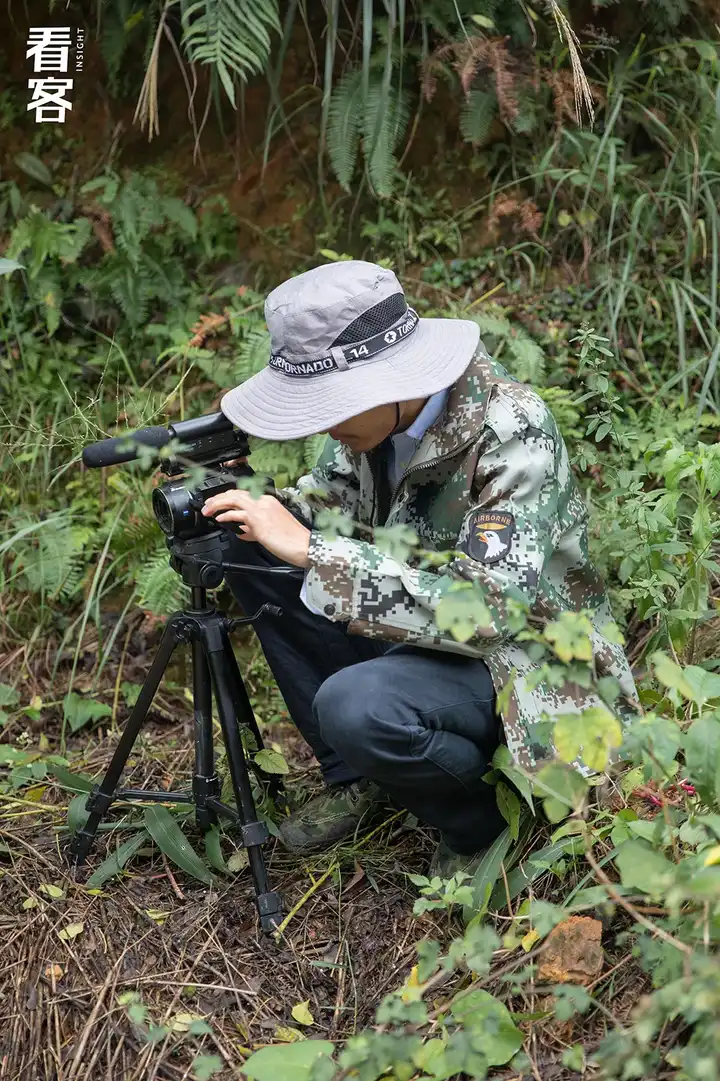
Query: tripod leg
{"type": "Point", "coordinates": [245, 711]}
{"type": "Point", "coordinates": [254, 833]}
{"type": "Point", "coordinates": [205, 780]}
{"type": "Point", "coordinates": [101, 797]}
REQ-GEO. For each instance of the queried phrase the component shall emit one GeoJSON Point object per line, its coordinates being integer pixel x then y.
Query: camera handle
{"type": "Point", "coordinates": [214, 668]}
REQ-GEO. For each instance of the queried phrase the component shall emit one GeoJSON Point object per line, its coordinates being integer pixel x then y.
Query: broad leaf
{"type": "Point", "coordinates": [170, 839]}
{"type": "Point", "coordinates": [486, 876]}
{"type": "Point", "coordinates": [271, 762]}
{"type": "Point", "coordinates": [590, 735]}
{"type": "Point", "coordinates": [702, 755]}
{"type": "Point", "coordinates": [80, 711]}
{"type": "Point", "coordinates": [213, 851]}
{"type": "Point", "coordinates": [490, 1019]}
{"type": "Point", "coordinates": [286, 1062]}
{"type": "Point", "coordinates": [114, 864]}
{"type": "Point", "coordinates": [75, 782]}
{"type": "Point", "coordinates": [643, 867]}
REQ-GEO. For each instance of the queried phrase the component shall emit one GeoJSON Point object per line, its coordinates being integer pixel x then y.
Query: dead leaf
{"type": "Point", "coordinates": [357, 877]}
{"type": "Point", "coordinates": [71, 931]}
{"type": "Point", "coordinates": [573, 953]}
{"type": "Point", "coordinates": [301, 1013]}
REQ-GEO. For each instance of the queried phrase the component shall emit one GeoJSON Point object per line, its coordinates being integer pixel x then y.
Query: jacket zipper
{"type": "Point", "coordinates": [429, 465]}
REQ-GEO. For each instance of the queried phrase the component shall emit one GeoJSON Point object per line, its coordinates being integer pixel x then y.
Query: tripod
{"type": "Point", "coordinates": [214, 668]}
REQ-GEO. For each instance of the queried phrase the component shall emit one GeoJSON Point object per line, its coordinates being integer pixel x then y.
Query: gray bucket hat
{"type": "Point", "coordinates": [343, 340]}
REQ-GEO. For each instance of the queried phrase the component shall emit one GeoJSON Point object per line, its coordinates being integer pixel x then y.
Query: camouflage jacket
{"type": "Point", "coordinates": [492, 480]}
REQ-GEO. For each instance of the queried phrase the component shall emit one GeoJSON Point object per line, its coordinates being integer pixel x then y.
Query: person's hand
{"type": "Point", "coordinates": [264, 520]}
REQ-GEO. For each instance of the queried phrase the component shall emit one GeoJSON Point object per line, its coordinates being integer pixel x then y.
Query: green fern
{"type": "Point", "coordinates": [313, 447]}
{"type": "Point", "coordinates": [51, 561]}
{"type": "Point", "coordinates": [344, 116]}
{"type": "Point", "coordinates": [477, 115]}
{"type": "Point", "coordinates": [231, 35]}
{"type": "Point", "coordinates": [381, 119]}
{"type": "Point", "coordinates": [160, 589]}
{"type": "Point", "coordinates": [527, 360]}
{"type": "Point", "coordinates": [384, 122]}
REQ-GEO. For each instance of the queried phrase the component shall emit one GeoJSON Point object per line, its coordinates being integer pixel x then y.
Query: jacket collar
{"type": "Point", "coordinates": [463, 415]}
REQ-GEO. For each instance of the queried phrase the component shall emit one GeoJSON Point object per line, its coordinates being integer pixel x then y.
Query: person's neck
{"type": "Point", "coordinates": [410, 411]}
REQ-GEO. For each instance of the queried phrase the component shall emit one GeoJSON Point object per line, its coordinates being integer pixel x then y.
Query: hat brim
{"type": "Point", "coordinates": [274, 406]}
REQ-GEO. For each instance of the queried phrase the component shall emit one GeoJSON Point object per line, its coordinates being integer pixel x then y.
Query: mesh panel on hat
{"type": "Point", "coordinates": [375, 319]}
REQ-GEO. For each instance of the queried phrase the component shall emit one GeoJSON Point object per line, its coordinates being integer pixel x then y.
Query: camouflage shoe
{"type": "Point", "coordinates": [331, 816]}
{"type": "Point", "coordinates": [446, 863]}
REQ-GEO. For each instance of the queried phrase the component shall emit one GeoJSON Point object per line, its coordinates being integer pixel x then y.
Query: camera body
{"type": "Point", "coordinates": [178, 507]}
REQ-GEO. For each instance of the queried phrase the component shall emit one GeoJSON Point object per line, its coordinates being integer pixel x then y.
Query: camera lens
{"type": "Point", "coordinates": [162, 511]}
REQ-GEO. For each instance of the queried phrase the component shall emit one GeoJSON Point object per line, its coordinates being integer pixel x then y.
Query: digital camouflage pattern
{"type": "Point", "coordinates": [492, 480]}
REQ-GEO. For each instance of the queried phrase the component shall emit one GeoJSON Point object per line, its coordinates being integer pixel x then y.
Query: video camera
{"type": "Point", "coordinates": [208, 441]}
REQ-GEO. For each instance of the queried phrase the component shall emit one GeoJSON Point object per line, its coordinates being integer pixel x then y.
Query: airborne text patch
{"type": "Point", "coordinates": [490, 535]}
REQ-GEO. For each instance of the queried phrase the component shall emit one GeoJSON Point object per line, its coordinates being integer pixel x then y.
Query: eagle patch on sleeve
{"type": "Point", "coordinates": [490, 535]}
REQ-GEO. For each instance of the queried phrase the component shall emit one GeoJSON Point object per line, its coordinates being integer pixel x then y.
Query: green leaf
{"type": "Point", "coordinates": [504, 762]}
{"type": "Point", "coordinates": [704, 685]}
{"type": "Point", "coordinates": [213, 851]}
{"type": "Point", "coordinates": [287, 1062]}
{"type": "Point", "coordinates": [642, 867]}
{"type": "Point", "coordinates": [80, 711]}
{"type": "Point", "coordinates": [509, 806]}
{"type": "Point", "coordinates": [170, 839]}
{"type": "Point", "coordinates": [74, 782]}
{"type": "Point", "coordinates": [486, 876]}
{"type": "Point", "coordinates": [206, 1066]}
{"type": "Point", "coordinates": [493, 1031]}
{"type": "Point", "coordinates": [702, 755]}
{"type": "Point", "coordinates": [671, 675]}
{"type": "Point", "coordinates": [72, 930]}
{"type": "Point", "coordinates": [35, 168]}
{"type": "Point", "coordinates": [77, 815]}
{"type": "Point", "coordinates": [589, 735]}
{"type": "Point", "coordinates": [271, 762]}
{"type": "Point", "coordinates": [562, 787]}
{"type": "Point", "coordinates": [534, 865]}
{"type": "Point", "coordinates": [7, 266]}
{"type": "Point", "coordinates": [114, 863]}
{"type": "Point", "coordinates": [8, 695]}
{"type": "Point", "coordinates": [570, 637]}
{"type": "Point", "coordinates": [51, 891]}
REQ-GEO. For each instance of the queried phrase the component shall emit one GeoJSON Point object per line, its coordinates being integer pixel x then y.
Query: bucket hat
{"type": "Point", "coordinates": [343, 340]}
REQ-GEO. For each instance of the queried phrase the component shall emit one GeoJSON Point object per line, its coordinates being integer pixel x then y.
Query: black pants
{"type": "Point", "coordinates": [420, 723]}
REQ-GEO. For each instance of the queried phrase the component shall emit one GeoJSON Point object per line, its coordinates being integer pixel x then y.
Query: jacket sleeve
{"type": "Point", "coordinates": [332, 483]}
{"type": "Point", "coordinates": [516, 482]}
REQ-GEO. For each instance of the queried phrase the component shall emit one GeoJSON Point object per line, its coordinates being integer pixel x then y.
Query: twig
{"type": "Point", "coordinates": [176, 889]}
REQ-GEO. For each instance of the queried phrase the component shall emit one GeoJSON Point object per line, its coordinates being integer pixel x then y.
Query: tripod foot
{"type": "Point", "coordinates": [270, 909]}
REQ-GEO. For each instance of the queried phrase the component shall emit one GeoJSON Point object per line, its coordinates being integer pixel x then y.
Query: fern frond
{"type": "Point", "coordinates": [284, 462]}
{"type": "Point", "coordinates": [477, 116]}
{"type": "Point", "coordinates": [343, 134]}
{"type": "Point", "coordinates": [232, 35]}
{"type": "Point", "coordinates": [387, 115]}
{"type": "Point", "coordinates": [312, 449]}
{"type": "Point", "coordinates": [529, 366]}
{"type": "Point", "coordinates": [160, 589]}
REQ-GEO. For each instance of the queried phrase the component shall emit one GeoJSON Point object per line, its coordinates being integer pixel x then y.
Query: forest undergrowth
{"type": "Point", "coordinates": [587, 942]}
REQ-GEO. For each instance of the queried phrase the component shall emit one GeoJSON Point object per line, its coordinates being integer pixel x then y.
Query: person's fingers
{"type": "Point", "coordinates": [231, 516]}
{"type": "Point", "coordinates": [225, 501]}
